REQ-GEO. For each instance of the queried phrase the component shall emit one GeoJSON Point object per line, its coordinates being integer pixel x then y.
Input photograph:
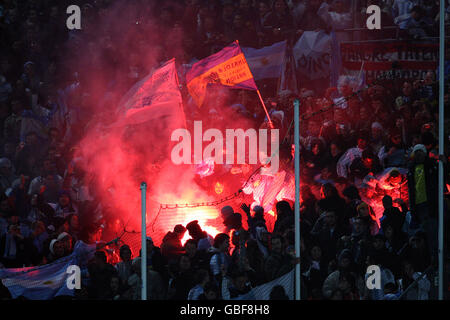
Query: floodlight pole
{"type": "Point", "coordinates": [143, 242]}
{"type": "Point", "coordinates": [441, 147]}
{"type": "Point", "coordinates": [297, 197]}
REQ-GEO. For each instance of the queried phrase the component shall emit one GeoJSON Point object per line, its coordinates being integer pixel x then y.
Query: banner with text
{"type": "Point", "coordinates": [410, 60]}
{"type": "Point", "coordinates": [227, 67]}
{"type": "Point", "coordinates": [312, 54]}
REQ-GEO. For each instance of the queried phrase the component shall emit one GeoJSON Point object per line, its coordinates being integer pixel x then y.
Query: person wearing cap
{"type": "Point", "coordinates": [423, 193]}
{"type": "Point", "coordinates": [56, 248]}
{"type": "Point", "coordinates": [67, 241]}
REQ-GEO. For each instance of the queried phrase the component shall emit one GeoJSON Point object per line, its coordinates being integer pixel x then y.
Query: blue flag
{"type": "Point", "coordinates": [47, 281]}
{"type": "Point", "coordinates": [267, 62]}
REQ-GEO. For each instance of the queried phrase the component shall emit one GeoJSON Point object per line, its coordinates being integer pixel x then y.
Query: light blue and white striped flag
{"type": "Point", "coordinates": [267, 62]}
{"type": "Point", "coordinates": [47, 281]}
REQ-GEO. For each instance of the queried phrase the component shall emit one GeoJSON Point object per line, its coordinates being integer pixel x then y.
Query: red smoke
{"type": "Point", "coordinates": [110, 54]}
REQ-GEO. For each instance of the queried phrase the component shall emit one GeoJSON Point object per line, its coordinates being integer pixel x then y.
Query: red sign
{"type": "Point", "coordinates": [411, 58]}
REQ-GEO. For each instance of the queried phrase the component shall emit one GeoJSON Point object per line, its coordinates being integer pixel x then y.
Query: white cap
{"type": "Point", "coordinates": [62, 235]}
{"type": "Point", "coordinates": [419, 147]}
{"type": "Point", "coordinates": [377, 125]}
{"type": "Point", "coordinates": [52, 244]}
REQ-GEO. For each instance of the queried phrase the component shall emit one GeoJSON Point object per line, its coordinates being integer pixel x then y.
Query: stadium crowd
{"type": "Point", "coordinates": [46, 204]}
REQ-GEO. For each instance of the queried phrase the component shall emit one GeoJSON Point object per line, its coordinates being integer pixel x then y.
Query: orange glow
{"type": "Point", "coordinates": [206, 216]}
{"type": "Point", "coordinates": [202, 215]}
{"type": "Point", "coordinates": [218, 188]}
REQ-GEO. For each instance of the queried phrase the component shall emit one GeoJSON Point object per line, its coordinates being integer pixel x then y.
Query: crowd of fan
{"type": "Point", "coordinates": [45, 208]}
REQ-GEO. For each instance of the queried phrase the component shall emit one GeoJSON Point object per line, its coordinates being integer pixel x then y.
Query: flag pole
{"type": "Point", "coordinates": [297, 197]}
{"type": "Point", "coordinates": [257, 90]}
{"type": "Point", "coordinates": [143, 243]}
{"type": "Point", "coordinates": [265, 109]}
{"type": "Point", "coordinates": [441, 148]}
{"type": "Point", "coordinates": [181, 102]}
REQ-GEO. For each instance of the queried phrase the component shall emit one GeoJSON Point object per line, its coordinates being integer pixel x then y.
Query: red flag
{"type": "Point", "coordinates": [227, 67]}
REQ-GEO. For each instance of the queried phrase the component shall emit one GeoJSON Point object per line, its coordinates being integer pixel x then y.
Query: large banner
{"type": "Point", "coordinates": [312, 54]}
{"type": "Point", "coordinates": [47, 281]}
{"type": "Point", "coordinates": [156, 96]}
{"type": "Point", "coordinates": [412, 60]}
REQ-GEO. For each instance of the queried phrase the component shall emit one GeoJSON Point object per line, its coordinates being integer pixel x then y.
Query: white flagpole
{"type": "Point", "coordinates": [143, 243]}
{"type": "Point", "coordinates": [297, 197]}
{"type": "Point", "coordinates": [441, 148]}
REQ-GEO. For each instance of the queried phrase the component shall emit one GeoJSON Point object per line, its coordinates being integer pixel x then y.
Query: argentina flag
{"type": "Point", "coordinates": [266, 62]}
{"type": "Point", "coordinates": [47, 281]}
